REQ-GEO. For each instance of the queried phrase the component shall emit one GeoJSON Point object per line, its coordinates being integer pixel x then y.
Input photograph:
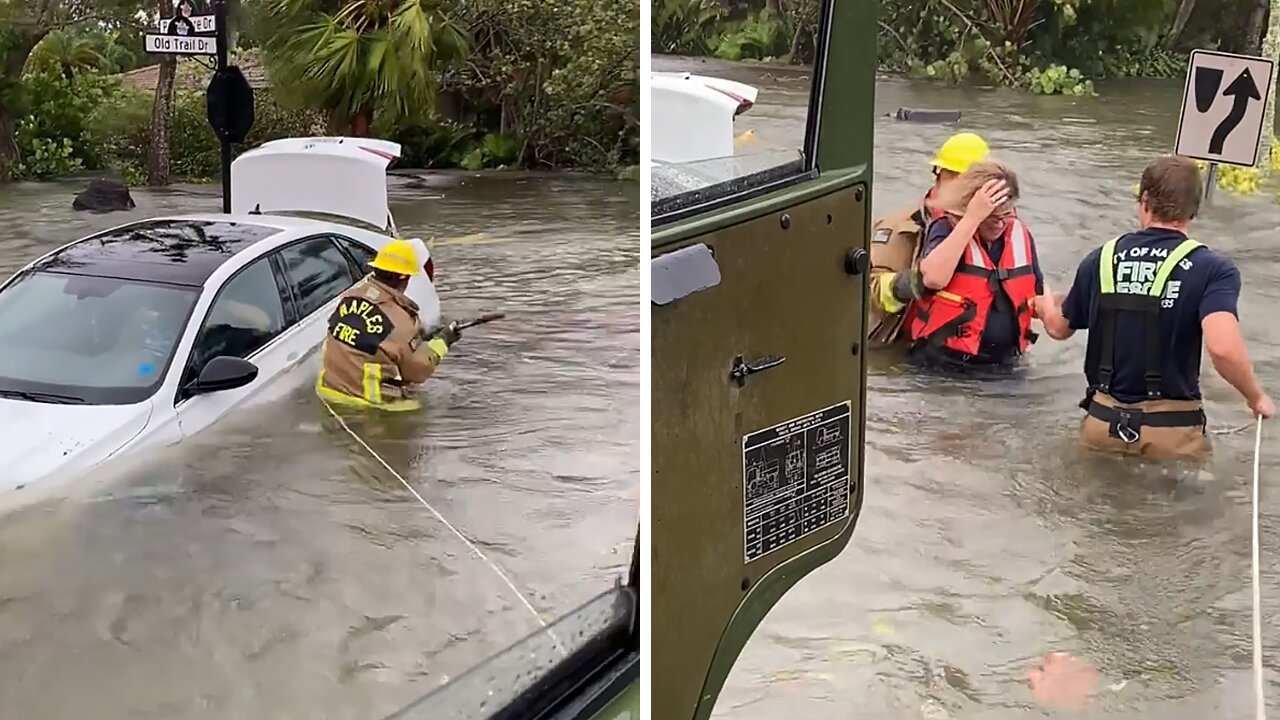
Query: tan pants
{"type": "Point", "coordinates": [1139, 436]}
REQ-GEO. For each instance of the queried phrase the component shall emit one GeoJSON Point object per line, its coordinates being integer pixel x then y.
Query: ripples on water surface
{"type": "Point", "coordinates": [986, 539]}
{"type": "Point", "coordinates": [271, 568]}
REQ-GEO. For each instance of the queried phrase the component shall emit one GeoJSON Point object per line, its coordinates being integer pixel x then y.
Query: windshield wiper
{"type": "Point", "coordinates": [43, 397]}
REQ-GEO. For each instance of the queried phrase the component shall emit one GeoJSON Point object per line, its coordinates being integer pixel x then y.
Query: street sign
{"type": "Point", "coordinates": [1223, 103]}
{"type": "Point", "coordinates": [181, 44]}
{"type": "Point", "coordinates": [229, 105]}
{"type": "Point", "coordinates": [199, 24]}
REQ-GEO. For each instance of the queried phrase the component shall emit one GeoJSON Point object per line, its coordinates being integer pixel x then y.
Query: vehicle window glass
{"type": "Point", "coordinates": [724, 123]}
{"type": "Point", "coordinates": [499, 681]}
{"type": "Point", "coordinates": [319, 272]}
{"type": "Point", "coordinates": [99, 340]}
{"type": "Point", "coordinates": [247, 314]}
{"type": "Point", "coordinates": [363, 254]}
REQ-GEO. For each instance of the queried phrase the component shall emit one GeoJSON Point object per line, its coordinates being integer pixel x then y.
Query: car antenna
{"type": "Point", "coordinates": [257, 209]}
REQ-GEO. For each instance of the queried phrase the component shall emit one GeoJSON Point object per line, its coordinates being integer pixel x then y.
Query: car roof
{"type": "Point", "coordinates": [176, 251]}
{"type": "Point", "coordinates": [181, 250]}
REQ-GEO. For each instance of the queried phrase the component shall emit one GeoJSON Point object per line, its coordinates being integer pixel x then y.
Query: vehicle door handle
{"type": "Point", "coordinates": [292, 357]}
{"type": "Point", "coordinates": [741, 369]}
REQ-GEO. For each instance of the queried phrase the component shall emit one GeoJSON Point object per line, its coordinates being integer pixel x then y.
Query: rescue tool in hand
{"type": "Point", "coordinates": [460, 326]}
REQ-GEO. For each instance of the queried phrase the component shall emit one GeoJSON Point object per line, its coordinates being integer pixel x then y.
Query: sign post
{"type": "Point", "coordinates": [220, 23]}
{"type": "Point", "coordinates": [1223, 105]}
{"type": "Point", "coordinates": [229, 99]}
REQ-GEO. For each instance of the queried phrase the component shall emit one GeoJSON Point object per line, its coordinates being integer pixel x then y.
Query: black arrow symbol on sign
{"type": "Point", "coordinates": [1244, 89]}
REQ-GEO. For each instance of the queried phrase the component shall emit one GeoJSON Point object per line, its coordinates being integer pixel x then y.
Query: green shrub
{"type": "Point", "coordinates": [54, 127]}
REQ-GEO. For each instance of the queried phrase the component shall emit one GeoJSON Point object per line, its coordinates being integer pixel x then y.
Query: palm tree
{"type": "Point", "coordinates": [69, 53]}
{"type": "Point", "coordinates": [368, 56]}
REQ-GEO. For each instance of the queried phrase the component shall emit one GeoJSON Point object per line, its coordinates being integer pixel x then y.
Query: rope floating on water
{"type": "Point", "coordinates": [1260, 704]}
{"type": "Point", "coordinates": [470, 545]}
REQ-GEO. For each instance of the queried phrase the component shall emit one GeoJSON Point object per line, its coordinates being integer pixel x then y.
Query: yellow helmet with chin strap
{"type": "Point", "coordinates": [399, 257]}
{"type": "Point", "coordinates": [960, 151]}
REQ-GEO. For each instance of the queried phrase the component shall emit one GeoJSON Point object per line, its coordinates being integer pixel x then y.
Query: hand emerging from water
{"type": "Point", "coordinates": [990, 196]}
{"type": "Point", "coordinates": [1063, 682]}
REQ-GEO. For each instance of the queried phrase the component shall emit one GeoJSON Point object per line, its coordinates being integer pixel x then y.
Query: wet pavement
{"type": "Point", "coordinates": [986, 538]}
{"type": "Point", "coordinates": [270, 567]}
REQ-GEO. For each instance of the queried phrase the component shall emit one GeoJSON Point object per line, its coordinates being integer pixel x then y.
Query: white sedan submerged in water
{"type": "Point", "coordinates": [149, 332]}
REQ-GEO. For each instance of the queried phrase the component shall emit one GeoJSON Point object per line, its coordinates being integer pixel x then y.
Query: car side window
{"type": "Point", "coordinates": [362, 254]}
{"type": "Point", "coordinates": [319, 272]}
{"type": "Point", "coordinates": [245, 316]}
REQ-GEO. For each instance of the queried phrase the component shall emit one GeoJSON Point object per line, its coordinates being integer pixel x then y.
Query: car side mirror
{"type": "Point", "coordinates": [223, 373]}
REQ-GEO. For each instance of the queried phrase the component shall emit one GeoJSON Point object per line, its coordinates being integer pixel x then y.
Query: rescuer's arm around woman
{"type": "Point", "coordinates": [940, 264]}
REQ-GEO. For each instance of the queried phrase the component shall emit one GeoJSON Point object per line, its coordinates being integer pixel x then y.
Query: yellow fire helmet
{"type": "Point", "coordinates": [399, 257]}
{"type": "Point", "coordinates": [960, 151]}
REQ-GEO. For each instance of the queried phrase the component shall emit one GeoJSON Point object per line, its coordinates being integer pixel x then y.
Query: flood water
{"type": "Point", "coordinates": [271, 568]}
{"type": "Point", "coordinates": [986, 539]}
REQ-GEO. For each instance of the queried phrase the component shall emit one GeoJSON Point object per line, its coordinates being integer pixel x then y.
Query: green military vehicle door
{"type": "Point", "coordinates": [759, 284]}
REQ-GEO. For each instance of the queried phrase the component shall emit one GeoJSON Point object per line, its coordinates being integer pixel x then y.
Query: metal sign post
{"type": "Point", "coordinates": [220, 37]}
{"type": "Point", "coordinates": [229, 99]}
{"type": "Point", "coordinates": [1223, 108]}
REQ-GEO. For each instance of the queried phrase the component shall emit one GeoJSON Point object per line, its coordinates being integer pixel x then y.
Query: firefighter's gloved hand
{"type": "Point", "coordinates": [450, 333]}
{"type": "Point", "coordinates": [443, 338]}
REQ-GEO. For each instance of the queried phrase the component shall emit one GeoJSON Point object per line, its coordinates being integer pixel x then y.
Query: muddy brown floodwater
{"type": "Point", "coordinates": [270, 568]}
{"type": "Point", "coordinates": [986, 539]}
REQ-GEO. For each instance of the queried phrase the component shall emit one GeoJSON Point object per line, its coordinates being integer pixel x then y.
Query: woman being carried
{"type": "Point", "coordinates": [979, 268]}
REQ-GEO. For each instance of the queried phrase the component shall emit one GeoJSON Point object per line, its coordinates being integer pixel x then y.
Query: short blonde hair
{"type": "Point", "coordinates": [954, 197]}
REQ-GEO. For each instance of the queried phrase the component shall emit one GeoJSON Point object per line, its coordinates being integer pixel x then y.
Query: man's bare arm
{"type": "Point", "coordinates": [1225, 344]}
{"type": "Point", "coordinates": [1049, 308]}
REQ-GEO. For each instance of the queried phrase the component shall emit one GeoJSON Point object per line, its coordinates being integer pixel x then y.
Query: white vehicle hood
{"type": "Point", "coordinates": [39, 439]}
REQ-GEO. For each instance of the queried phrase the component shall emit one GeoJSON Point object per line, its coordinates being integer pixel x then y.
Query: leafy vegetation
{"type": "Point", "coordinates": [366, 57]}
{"type": "Point", "coordinates": [460, 83]}
{"type": "Point", "coordinates": [1042, 46]}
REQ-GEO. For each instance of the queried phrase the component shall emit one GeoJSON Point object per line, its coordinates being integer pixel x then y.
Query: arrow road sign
{"type": "Point", "coordinates": [1224, 124]}
{"type": "Point", "coordinates": [181, 44]}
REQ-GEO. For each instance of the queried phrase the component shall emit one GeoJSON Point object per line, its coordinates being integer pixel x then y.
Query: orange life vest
{"type": "Point", "coordinates": [956, 315]}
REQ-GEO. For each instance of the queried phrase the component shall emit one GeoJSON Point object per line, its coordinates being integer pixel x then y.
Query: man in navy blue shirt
{"type": "Point", "coordinates": [1149, 300]}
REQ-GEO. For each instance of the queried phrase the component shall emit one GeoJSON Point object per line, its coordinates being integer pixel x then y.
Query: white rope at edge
{"type": "Point", "coordinates": [479, 553]}
{"type": "Point", "coordinates": [1260, 702]}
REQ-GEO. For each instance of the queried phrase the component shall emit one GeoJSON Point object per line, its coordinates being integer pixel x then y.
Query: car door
{"type": "Point", "coordinates": [317, 272]}
{"type": "Point", "coordinates": [248, 319]}
{"type": "Point", "coordinates": [274, 311]}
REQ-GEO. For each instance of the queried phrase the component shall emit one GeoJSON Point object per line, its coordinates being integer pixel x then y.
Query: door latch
{"type": "Point", "coordinates": [741, 368]}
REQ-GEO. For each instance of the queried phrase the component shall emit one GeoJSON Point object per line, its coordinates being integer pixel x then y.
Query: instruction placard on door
{"type": "Point", "coordinates": [795, 479]}
{"type": "Point", "coordinates": [1223, 104]}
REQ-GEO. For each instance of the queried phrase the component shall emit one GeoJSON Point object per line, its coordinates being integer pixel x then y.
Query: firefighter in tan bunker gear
{"type": "Point", "coordinates": [895, 244]}
{"type": "Point", "coordinates": [376, 350]}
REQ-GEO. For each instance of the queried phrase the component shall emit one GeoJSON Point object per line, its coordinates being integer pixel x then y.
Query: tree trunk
{"type": "Point", "coordinates": [9, 155]}
{"type": "Point", "coordinates": [1179, 23]}
{"type": "Point", "coordinates": [159, 154]}
{"type": "Point", "coordinates": [360, 123]}
{"type": "Point", "coordinates": [12, 59]}
{"type": "Point", "coordinates": [1256, 29]}
{"type": "Point", "coordinates": [1271, 49]}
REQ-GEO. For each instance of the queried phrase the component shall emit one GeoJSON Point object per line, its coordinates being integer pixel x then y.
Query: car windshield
{"type": "Point", "coordinates": [82, 339]}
